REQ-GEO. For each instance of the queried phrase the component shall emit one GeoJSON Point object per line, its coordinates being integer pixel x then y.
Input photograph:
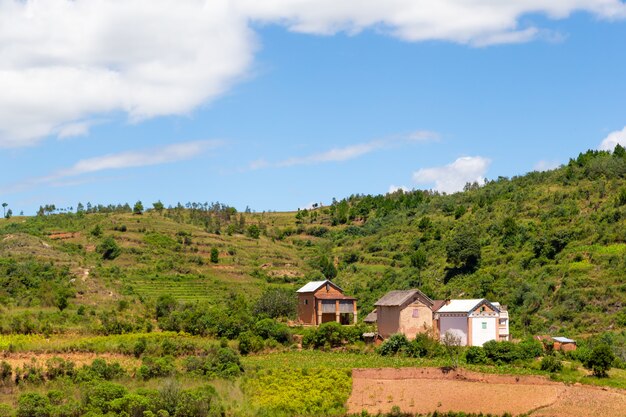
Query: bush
{"type": "Point", "coordinates": [33, 405]}
{"type": "Point", "coordinates": [249, 343]}
{"type": "Point", "coordinates": [551, 364]}
{"type": "Point", "coordinates": [501, 352]}
{"type": "Point", "coordinates": [397, 343]}
{"type": "Point", "coordinates": [58, 367]}
{"type": "Point", "coordinates": [99, 370]}
{"type": "Point", "coordinates": [529, 349]}
{"type": "Point", "coordinates": [156, 367]}
{"type": "Point", "coordinates": [220, 362]}
{"type": "Point", "coordinates": [108, 249]}
{"type": "Point", "coordinates": [276, 302]}
{"type": "Point", "coordinates": [600, 360]}
{"type": "Point", "coordinates": [475, 355]}
{"type": "Point", "coordinates": [199, 402]}
{"type": "Point", "coordinates": [327, 335]}
{"type": "Point", "coordinates": [98, 397]}
{"type": "Point", "coordinates": [271, 329]}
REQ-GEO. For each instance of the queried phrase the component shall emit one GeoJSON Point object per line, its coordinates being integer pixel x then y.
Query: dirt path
{"type": "Point", "coordinates": [424, 390]}
{"type": "Point", "coordinates": [79, 358]}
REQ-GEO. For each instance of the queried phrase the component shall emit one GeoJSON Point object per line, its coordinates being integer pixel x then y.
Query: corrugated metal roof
{"type": "Point", "coordinates": [312, 286]}
{"type": "Point", "coordinates": [563, 339]}
{"type": "Point", "coordinates": [397, 298]}
{"type": "Point", "coordinates": [460, 306]}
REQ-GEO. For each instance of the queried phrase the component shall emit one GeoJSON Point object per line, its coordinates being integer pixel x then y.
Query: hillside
{"type": "Point", "coordinates": [550, 245]}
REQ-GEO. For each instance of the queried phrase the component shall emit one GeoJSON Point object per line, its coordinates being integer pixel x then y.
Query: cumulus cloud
{"type": "Point", "coordinates": [614, 138]}
{"type": "Point", "coordinates": [130, 159]}
{"type": "Point", "coordinates": [65, 62]}
{"type": "Point", "coordinates": [546, 165]}
{"type": "Point", "coordinates": [453, 177]}
{"type": "Point", "coordinates": [395, 188]}
{"type": "Point", "coordinates": [348, 152]}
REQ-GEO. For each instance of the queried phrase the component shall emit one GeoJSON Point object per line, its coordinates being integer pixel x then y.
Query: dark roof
{"type": "Point", "coordinates": [398, 298]}
{"type": "Point", "coordinates": [437, 304]}
{"type": "Point", "coordinates": [371, 317]}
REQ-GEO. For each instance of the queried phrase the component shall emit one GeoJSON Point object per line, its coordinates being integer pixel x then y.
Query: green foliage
{"type": "Point", "coordinates": [327, 335]}
{"type": "Point", "coordinates": [215, 254]}
{"type": "Point", "coordinates": [501, 352]}
{"type": "Point", "coordinates": [551, 364]}
{"type": "Point", "coordinates": [249, 343]}
{"type": "Point", "coordinates": [109, 249]}
{"type": "Point", "coordinates": [200, 402]}
{"type": "Point", "coordinates": [290, 392]}
{"type": "Point", "coordinates": [276, 302]}
{"type": "Point", "coordinates": [600, 360]}
{"type": "Point", "coordinates": [464, 249]}
{"type": "Point", "coordinates": [33, 404]}
{"type": "Point", "coordinates": [152, 367]}
{"type": "Point", "coordinates": [138, 208]}
{"type": "Point", "coordinates": [475, 355]}
{"type": "Point", "coordinates": [222, 362]}
{"type": "Point", "coordinates": [253, 231]}
{"type": "Point", "coordinates": [395, 344]}
{"type": "Point", "coordinates": [271, 329]}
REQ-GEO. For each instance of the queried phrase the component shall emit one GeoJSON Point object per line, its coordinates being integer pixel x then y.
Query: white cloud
{"type": "Point", "coordinates": [130, 159]}
{"type": "Point", "coordinates": [614, 138]}
{"type": "Point", "coordinates": [453, 177]}
{"type": "Point", "coordinates": [394, 188]}
{"type": "Point", "coordinates": [65, 62]}
{"type": "Point", "coordinates": [546, 165]}
{"type": "Point", "coordinates": [348, 152]}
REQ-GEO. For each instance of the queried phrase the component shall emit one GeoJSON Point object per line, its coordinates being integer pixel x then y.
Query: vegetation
{"type": "Point", "coordinates": [218, 284]}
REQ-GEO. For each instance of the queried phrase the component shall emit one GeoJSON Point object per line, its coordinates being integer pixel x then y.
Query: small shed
{"type": "Point", "coordinates": [371, 318]}
{"type": "Point", "coordinates": [323, 301]}
{"type": "Point", "coordinates": [564, 344]}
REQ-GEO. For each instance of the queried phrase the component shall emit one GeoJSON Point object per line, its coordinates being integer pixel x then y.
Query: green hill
{"type": "Point", "coordinates": [550, 245]}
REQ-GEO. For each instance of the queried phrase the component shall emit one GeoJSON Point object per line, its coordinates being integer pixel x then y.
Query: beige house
{"type": "Point", "coordinates": [322, 301]}
{"type": "Point", "coordinates": [408, 312]}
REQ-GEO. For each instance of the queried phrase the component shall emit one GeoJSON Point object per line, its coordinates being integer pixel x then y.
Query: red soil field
{"type": "Point", "coordinates": [424, 390]}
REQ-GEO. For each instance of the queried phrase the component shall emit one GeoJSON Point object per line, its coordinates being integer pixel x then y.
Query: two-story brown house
{"type": "Point", "coordinates": [322, 301]}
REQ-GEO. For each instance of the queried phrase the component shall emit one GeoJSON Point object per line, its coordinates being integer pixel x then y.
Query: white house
{"type": "Point", "coordinates": [474, 321]}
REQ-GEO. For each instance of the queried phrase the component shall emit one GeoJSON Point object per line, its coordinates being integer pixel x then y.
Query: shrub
{"type": "Point", "coordinates": [249, 343]}
{"type": "Point", "coordinates": [156, 367]}
{"type": "Point", "coordinates": [215, 255]}
{"type": "Point", "coordinates": [551, 364]}
{"type": "Point", "coordinates": [222, 362]}
{"type": "Point", "coordinates": [475, 355]}
{"type": "Point", "coordinates": [397, 343]}
{"type": "Point", "coordinates": [33, 404]}
{"type": "Point", "coordinates": [529, 349]}
{"type": "Point", "coordinates": [108, 249]}
{"type": "Point", "coordinates": [501, 352]}
{"type": "Point", "coordinates": [271, 329]}
{"type": "Point", "coordinates": [199, 402]}
{"type": "Point", "coordinates": [99, 370]}
{"type": "Point", "coordinates": [5, 372]}
{"type": "Point", "coordinates": [58, 367]}
{"type": "Point", "coordinates": [600, 360]}
{"type": "Point", "coordinates": [98, 396]}
{"type": "Point", "coordinates": [329, 334]}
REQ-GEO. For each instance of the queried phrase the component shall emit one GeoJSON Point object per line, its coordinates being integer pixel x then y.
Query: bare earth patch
{"type": "Point", "coordinates": [424, 390]}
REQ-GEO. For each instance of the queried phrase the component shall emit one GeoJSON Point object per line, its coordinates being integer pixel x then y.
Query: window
{"type": "Point", "coordinates": [416, 313]}
{"type": "Point", "coordinates": [484, 323]}
{"type": "Point", "coordinates": [306, 302]}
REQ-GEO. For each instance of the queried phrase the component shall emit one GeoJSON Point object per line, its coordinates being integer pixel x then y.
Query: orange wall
{"type": "Point", "coordinates": [306, 312]}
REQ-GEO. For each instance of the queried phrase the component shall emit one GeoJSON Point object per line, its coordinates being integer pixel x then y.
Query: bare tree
{"type": "Point", "coordinates": [452, 344]}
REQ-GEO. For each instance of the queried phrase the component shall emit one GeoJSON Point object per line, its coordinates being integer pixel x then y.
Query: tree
{"type": "Point", "coordinates": [276, 302]}
{"type": "Point", "coordinates": [452, 345]}
{"type": "Point", "coordinates": [463, 249]}
{"type": "Point", "coordinates": [600, 360]}
{"type": "Point", "coordinates": [109, 249]}
{"type": "Point", "coordinates": [61, 301]}
{"type": "Point", "coordinates": [9, 214]}
{"type": "Point", "coordinates": [80, 208]}
{"type": "Point", "coordinates": [138, 208]}
{"type": "Point", "coordinates": [253, 231]}
{"type": "Point", "coordinates": [158, 206]}
{"type": "Point", "coordinates": [4, 208]}
{"type": "Point", "coordinates": [215, 254]}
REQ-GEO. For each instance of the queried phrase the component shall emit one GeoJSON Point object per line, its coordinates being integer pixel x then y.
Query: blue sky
{"type": "Point", "coordinates": [280, 107]}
